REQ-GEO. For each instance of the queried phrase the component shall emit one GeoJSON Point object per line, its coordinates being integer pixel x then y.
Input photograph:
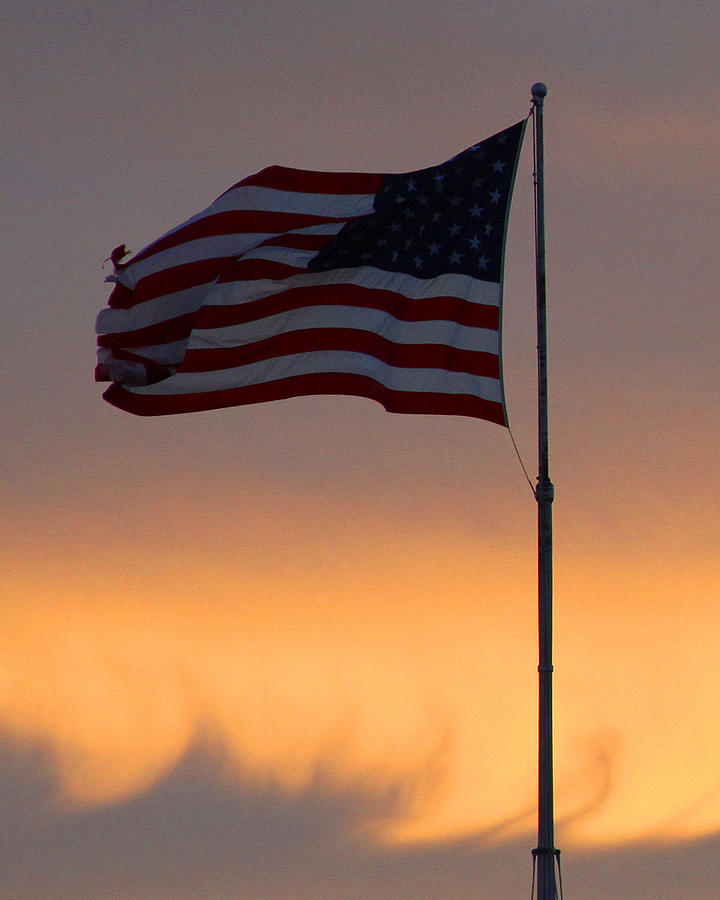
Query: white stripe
{"type": "Point", "coordinates": [124, 370]}
{"type": "Point", "coordinates": [447, 285]}
{"type": "Point", "coordinates": [257, 198]}
{"type": "Point", "coordinates": [254, 197]}
{"type": "Point", "coordinates": [288, 256]}
{"type": "Point", "coordinates": [448, 334]}
{"type": "Point", "coordinates": [208, 248]}
{"type": "Point", "coordinates": [215, 247]}
{"type": "Point", "coordinates": [392, 377]}
{"type": "Point", "coordinates": [115, 321]}
{"type": "Point", "coordinates": [327, 228]}
{"type": "Point", "coordinates": [165, 354]}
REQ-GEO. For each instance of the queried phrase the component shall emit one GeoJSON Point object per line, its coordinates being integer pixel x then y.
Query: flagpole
{"type": "Point", "coordinates": [545, 853]}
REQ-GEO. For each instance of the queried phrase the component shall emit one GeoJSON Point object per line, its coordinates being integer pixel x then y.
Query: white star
{"type": "Point", "coordinates": [455, 257]}
{"type": "Point", "coordinates": [474, 242]}
{"type": "Point", "coordinates": [495, 196]}
{"type": "Point", "coordinates": [411, 185]}
{"type": "Point", "coordinates": [434, 248]}
{"type": "Point", "coordinates": [483, 262]}
{"type": "Point", "coordinates": [477, 211]}
{"type": "Point", "coordinates": [418, 262]}
{"type": "Point", "coordinates": [488, 229]}
{"type": "Point", "coordinates": [455, 201]}
{"type": "Point", "coordinates": [498, 165]}
{"type": "Point", "coordinates": [455, 229]}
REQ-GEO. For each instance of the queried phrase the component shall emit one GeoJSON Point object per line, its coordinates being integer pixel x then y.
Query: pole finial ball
{"type": "Point", "coordinates": [539, 90]}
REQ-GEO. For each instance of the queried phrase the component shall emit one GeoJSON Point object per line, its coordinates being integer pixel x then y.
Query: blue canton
{"type": "Point", "coordinates": [448, 218]}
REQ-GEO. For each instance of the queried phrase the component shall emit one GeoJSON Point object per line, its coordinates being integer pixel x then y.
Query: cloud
{"type": "Point", "coordinates": [206, 831]}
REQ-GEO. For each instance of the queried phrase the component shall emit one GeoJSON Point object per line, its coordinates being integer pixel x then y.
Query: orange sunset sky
{"type": "Point", "coordinates": [288, 651]}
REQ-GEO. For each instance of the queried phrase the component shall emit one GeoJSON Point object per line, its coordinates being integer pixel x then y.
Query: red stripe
{"type": "Point", "coordinates": [304, 181]}
{"type": "Point", "coordinates": [178, 278]}
{"type": "Point", "coordinates": [206, 271]}
{"type": "Point", "coordinates": [438, 309]}
{"type": "Point", "coordinates": [121, 297]}
{"type": "Point", "coordinates": [224, 269]}
{"type": "Point", "coordinates": [300, 241]}
{"type": "Point", "coordinates": [160, 333]}
{"type": "Point", "coordinates": [244, 221]}
{"type": "Point", "coordinates": [306, 385]}
{"type": "Point", "coordinates": [416, 356]}
{"type": "Point", "coordinates": [253, 269]}
{"type": "Point", "coordinates": [450, 309]}
{"type": "Point", "coordinates": [466, 313]}
{"type": "Point", "coordinates": [195, 274]}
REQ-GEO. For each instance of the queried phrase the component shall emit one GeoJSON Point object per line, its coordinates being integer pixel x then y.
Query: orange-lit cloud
{"type": "Point", "coordinates": [416, 665]}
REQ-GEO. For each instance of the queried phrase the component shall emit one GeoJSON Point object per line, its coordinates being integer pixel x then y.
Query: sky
{"type": "Point", "coordinates": [289, 651]}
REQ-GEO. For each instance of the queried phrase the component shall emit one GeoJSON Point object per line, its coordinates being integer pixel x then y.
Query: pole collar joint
{"type": "Point", "coordinates": [546, 851]}
{"type": "Point", "coordinates": [545, 491]}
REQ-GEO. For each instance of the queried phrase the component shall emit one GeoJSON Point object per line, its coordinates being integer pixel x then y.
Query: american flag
{"type": "Point", "coordinates": [296, 282]}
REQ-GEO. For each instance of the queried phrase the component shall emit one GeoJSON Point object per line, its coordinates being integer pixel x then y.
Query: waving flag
{"type": "Point", "coordinates": [296, 282]}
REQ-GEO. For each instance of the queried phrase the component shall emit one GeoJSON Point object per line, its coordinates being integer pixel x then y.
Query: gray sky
{"type": "Point", "coordinates": [179, 592]}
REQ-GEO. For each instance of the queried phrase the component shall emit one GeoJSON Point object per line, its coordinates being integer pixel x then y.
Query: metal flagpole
{"type": "Point", "coordinates": [545, 853]}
